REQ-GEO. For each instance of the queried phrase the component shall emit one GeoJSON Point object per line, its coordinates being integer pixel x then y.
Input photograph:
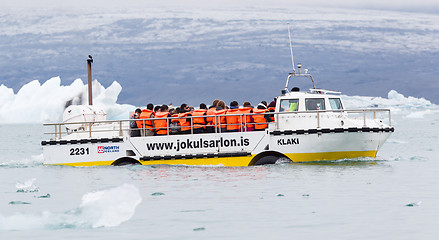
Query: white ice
{"type": "Point", "coordinates": [43, 103]}
{"type": "Point", "coordinates": [106, 208]}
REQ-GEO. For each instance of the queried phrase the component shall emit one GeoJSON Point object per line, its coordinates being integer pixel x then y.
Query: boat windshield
{"type": "Point", "coordinates": [289, 105]}
{"type": "Point", "coordinates": [335, 103]}
{"type": "Point", "coordinates": [315, 104]}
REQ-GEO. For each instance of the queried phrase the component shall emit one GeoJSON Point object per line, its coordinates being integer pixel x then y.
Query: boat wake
{"type": "Point", "coordinates": [33, 160]}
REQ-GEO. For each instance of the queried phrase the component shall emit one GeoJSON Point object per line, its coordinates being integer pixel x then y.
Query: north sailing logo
{"type": "Point", "coordinates": [108, 149]}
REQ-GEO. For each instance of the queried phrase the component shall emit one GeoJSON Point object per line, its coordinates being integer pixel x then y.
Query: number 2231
{"type": "Point", "coordinates": [79, 151]}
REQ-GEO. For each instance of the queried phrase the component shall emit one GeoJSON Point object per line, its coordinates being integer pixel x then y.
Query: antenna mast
{"type": "Point", "coordinates": [299, 66]}
{"type": "Point", "coordinates": [291, 48]}
{"type": "Point", "coordinates": [90, 88]}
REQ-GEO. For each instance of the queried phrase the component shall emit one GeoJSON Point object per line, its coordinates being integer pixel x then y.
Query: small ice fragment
{"type": "Point", "coordinates": [414, 204]}
{"type": "Point", "coordinates": [45, 196]}
{"type": "Point", "coordinates": [199, 229]}
{"type": "Point", "coordinates": [157, 194]}
{"type": "Point", "coordinates": [18, 202]}
{"type": "Point", "coordinates": [27, 186]}
{"type": "Point", "coordinates": [280, 195]}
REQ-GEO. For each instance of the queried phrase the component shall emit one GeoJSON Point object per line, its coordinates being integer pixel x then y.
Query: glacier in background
{"type": "Point", "coordinates": [45, 103]}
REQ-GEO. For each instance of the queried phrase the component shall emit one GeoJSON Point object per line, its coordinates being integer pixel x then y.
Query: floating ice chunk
{"type": "Point", "coordinates": [106, 208]}
{"type": "Point", "coordinates": [18, 202]}
{"type": "Point", "coordinates": [109, 208]}
{"type": "Point", "coordinates": [27, 186]}
{"type": "Point", "coordinates": [199, 229]}
{"type": "Point", "coordinates": [157, 194]}
{"type": "Point", "coordinates": [414, 204]}
{"type": "Point", "coordinates": [395, 101]}
{"type": "Point", "coordinates": [45, 196]}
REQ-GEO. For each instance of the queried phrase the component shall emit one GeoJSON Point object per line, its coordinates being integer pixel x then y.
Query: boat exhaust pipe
{"type": "Point", "coordinates": [90, 87]}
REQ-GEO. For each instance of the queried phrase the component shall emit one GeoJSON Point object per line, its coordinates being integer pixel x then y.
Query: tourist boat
{"type": "Point", "coordinates": [307, 126]}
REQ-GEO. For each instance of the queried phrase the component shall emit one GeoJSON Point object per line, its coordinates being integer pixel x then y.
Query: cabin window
{"type": "Point", "coordinates": [289, 105]}
{"type": "Point", "coordinates": [315, 104]}
{"type": "Point", "coordinates": [335, 103]}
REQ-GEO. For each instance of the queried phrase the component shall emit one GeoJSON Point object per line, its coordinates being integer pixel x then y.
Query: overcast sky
{"type": "Point", "coordinates": [404, 5]}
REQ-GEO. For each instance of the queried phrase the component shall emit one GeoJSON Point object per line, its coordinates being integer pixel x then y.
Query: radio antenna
{"type": "Point", "coordinates": [291, 48]}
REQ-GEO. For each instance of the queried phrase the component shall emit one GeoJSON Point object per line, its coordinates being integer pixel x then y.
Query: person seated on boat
{"type": "Point", "coordinates": [162, 125]}
{"type": "Point", "coordinates": [294, 106]}
{"type": "Point", "coordinates": [311, 105]}
{"type": "Point", "coordinates": [175, 123]}
{"type": "Point", "coordinates": [272, 105]}
{"type": "Point", "coordinates": [220, 121]}
{"type": "Point", "coordinates": [157, 108]}
{"type": "Point", "coordinates": [135, 132]}
{"type": "Point", "coordinates": [247, 119]}
{"type": "Point", "coordinates": [199, 119]}
{"type": "Point", "coordinates": [215, 103]}
{"type": "Point", "coordinates": [271, 108]}
{"type": "Point", "coordinates": [261, 120]}
{"type": "Point", "coordinates": [210, 126]}
{"type": "Point", "coordinates": [247, 105]}
{"type": "Point", "coordinates": [147, 126]}
{"type": "Point", "coordinates": [185, 119]}
{"type": "Point", "coordinates": [233, 122]}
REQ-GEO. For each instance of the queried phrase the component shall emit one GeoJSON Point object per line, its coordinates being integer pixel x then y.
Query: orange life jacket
{"type": "Point", "coordinates": [271, 109]}
{"type": "Point", "coordinates": [175, 120]}
{"type": "Point", "coordinates": [233, 122]}
{"type": "Point", "coordinates": [260, 118]}
{"type": "Point", "coordinates": [219, 120]}
{"type": "Point", "coordinates": [146, 113]}
{"type": "Point", "coordinates": [248, 118]}
{"type": "Point", "coordinates": [210, 117]}
{"type": "Point", "coordinates": [198, 121]}
{"type": "Point", "coordinates": [185, 123]}
{"type": "Point", "coordinates": [161, 124]}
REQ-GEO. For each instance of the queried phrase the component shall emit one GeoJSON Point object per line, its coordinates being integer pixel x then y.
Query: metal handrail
{"type": "Point", "coordinates": [87, 126]}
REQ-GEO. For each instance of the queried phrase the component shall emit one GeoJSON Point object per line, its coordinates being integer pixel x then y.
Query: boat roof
{"type": "Point", "coordinates": [315, 93]}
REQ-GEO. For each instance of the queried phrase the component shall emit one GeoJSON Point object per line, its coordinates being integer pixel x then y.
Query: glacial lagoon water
{"type": "Point", "coordinates": [393, 196]}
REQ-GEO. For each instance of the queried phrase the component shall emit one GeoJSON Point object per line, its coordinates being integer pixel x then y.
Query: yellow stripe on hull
{"type": "Point", "coordinates": [240, 161]}
{"type": "Point", "coordinates": [86, 164]}
{"type": "Point", "coordinates": [328, 156]}
{"type": "Point", "coordinates": [224, 161]}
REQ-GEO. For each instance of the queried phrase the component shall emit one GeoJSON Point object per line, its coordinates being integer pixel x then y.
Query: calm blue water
{"type": "Point", "coordinates": [391, 197]}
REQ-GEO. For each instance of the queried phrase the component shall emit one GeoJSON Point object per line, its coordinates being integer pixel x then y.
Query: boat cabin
{"type": "Point", "coordinates": [315, 100]}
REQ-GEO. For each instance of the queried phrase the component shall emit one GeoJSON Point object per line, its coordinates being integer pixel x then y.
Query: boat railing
{"type": "Point", "coordinates": [120, 128]}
